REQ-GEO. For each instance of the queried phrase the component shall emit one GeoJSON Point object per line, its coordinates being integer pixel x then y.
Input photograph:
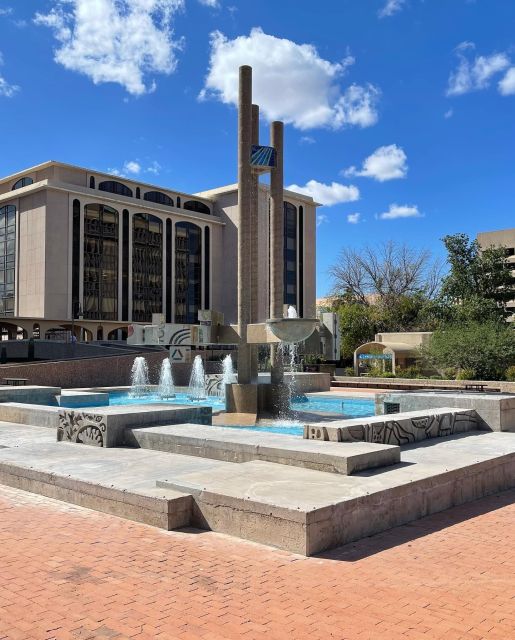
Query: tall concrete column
{"type": "Point", "coordinates": [276, 242]}
{"type": "Point", "coordinates": [254, 247]}
{"type": "Point", "coordinates": [244, 222]}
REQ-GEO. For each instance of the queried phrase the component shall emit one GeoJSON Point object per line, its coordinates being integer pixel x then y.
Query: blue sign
{"type": "Point", "coordinates": [373, 356]}
{"type": "Point", "coordinates": [262, 156]}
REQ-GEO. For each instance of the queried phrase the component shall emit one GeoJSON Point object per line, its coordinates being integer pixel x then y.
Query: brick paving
{"type": "Point", "coordinates": [71, 573]}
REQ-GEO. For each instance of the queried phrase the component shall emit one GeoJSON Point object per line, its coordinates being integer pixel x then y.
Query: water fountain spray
{"type": "Point", "coordinates": [197, 388]}
{"type": "Point", "coordinates": [166, 385]}
{"type": "Point", "coordinates": [139, 378]}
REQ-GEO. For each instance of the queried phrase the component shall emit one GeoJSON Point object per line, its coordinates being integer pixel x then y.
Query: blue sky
{"type": "Point", "coordinates": [396, 107]}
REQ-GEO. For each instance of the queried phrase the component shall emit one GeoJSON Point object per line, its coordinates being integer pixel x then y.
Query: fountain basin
{"type": "Point", "coordinates": [292, 330]}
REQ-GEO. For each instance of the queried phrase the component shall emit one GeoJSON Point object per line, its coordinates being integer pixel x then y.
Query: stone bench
{"type": "Point", "coordinates": [399, 428]}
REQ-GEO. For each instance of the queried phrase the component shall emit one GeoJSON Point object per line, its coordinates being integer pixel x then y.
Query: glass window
{"type": "Point", "coordinates": [92, 182]}
{"type": "Point", "coordinates": [158, 198]}
{"type": "Point", "coordinates": [188, 272]}
{"type": "Point", "coordinates": [100, 262]}
{"type": "Point", "coordinates": [7, 257]}
{"type": "Point", "coordinates": [207, 265]}
{"type": "Point", "coordinates": [115, 187]}
{"type": "Point", "coordinates": [290, 254]}
{"type": "Point", "coordinates": [138, 193]}
{"type": "Point", "coordinates": [147, 267]}
{"type": "Point", "coordinates": [195, 205]}
{"type": "Point", "coordinates": [22, 182]}
{"type": "Point", "coordinates": [76, 255]}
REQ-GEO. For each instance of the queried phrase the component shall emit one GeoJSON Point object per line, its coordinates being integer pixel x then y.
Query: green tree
{"type": "Point", "coordinates": [358, 324]}
{"type": "Point", "coordinates": [479, 279]}
{"type": "Point", "coordinates": [485, 348]}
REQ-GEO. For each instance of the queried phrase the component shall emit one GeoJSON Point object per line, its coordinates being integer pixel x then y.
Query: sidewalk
{"type": "Point", "coordinates": [70, 573]}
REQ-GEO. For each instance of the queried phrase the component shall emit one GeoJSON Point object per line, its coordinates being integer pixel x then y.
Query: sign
{"type": "Point", "coordinates": [374, 356]}
{"type": "Point", "coordinates": [180, 354]}
{"type": "Point", "coordinates": [263, 157]}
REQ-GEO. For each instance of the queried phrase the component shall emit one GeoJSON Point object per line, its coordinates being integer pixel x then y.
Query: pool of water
{"type": "Point", "coordinates": [122, 398]}
{"type": "Point", "coordinates": [341, 405]}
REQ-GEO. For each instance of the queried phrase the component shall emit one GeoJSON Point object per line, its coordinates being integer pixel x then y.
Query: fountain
{"type": "Point", "coordinates": [228, 374]}
{"type": "Point", "coordinates": [289, 354]}
{"type": "Point", "coordinates": [139, 378]}
{"type": "Point", "coordinates": [166, 386]}
{"type": "Point", "coordinates": [197, 388]}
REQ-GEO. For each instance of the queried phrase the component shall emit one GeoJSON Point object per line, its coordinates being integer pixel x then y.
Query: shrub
{"type": "Point", "coordinates": [510, 373]}
{"type": "Point", "coordinates": [349, 371]}
{"type": "Point", "coordinates": [449, 373]}
{"type": "Point", "coordinates": [387, 374]}
{"type": "Point", "coordinates": [410, 372]}
{"type": "Point", "coordinates": [466, 374]}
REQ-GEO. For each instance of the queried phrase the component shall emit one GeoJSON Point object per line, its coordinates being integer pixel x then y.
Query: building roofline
{"type": "Point", "coordinates": [57, 163]}
{"type": "Point", "coordinates": [230, 188]}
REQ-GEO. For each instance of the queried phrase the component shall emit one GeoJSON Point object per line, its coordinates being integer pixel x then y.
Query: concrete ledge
{"type": "Point", "coordinates": [235, 445]}
{"type": "Point", "coordinates": [307, 511]}
{"type": "Point", "coordinates": [165, 510]}
{"type": "Point", "coordinates": [31, 394]}
{"type": "Point", "coordinates": [82, 399]}
{"type": "Point", "coordinates": [398, 428]}
{"type": "Point", "coordinates": [497, 411]}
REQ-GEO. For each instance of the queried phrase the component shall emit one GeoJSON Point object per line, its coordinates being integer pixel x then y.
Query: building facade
{"type": "Point", "coordinates": [503, 238]}
{"type": "Point", "coordinates": [76, 243]}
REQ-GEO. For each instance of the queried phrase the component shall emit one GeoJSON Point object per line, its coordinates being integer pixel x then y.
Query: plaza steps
{"type": "Point", "coordinates": [242, 445]}
{"type": "Point", "coordinates": [301, 510]}
{"type": "Point", "coordinates": [307, 511]}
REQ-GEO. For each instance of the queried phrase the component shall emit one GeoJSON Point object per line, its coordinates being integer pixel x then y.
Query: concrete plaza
{"type": "Point", "coordinates": [448, 576]}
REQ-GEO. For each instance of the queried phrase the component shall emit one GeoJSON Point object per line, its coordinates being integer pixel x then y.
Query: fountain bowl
{"type": "Point", "coordinates": [292, 329]}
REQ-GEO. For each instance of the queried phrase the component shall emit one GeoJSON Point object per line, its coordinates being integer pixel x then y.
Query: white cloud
{"type": "Point", "coordinates": [391, 7]}
{"type": "Point", "coordinates": [386, 163]}
{"type": "Point", "coordinates": [474, 74]}
{"type": "Point", "coordinates": [322, 219]}
{"type": "Point", "coordinates": [507, 84]}
{"type": "Point", "coordinates": [401, 211]}
{"type": "Point", "coordinates": [214, 4]}
{"type": "Point", "coordinates": [353, 218]}
{"type": "Point", "coordinates": [307, 140]}
{"type": "Point", "coordinates": [118, 41]}
{"type": "Point", "coordinates": [154, 168]}
{"type": "Point", "coordinates": [132, 167]}
{"type": "Point", "coordinates": [291, 82]}
{"type": "Point", "coordinates": [327, 194]}
{"type": "Point", "coordinates": [448, 114]}
{"type": "Point", "coordinates": [7, 90]}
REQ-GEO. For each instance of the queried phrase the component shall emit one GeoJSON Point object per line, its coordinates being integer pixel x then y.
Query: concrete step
{"type": "Point", "coordinates": [306, 511]}
{"type": "Point", "coordinates": [244, 445]}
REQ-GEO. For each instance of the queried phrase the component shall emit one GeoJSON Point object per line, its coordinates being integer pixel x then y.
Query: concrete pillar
{"type": "Point", "coordinates": [254, 247]}
{"type": "Point", "coordinates": [276, 243]}
{"type": "Point", "coordinates": [244, 222]}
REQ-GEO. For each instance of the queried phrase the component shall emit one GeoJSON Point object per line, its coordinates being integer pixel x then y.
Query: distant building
{"type": "Point", "coordinates": [107, 251]}
{"type": "Point", "coordinates": [504, 238]}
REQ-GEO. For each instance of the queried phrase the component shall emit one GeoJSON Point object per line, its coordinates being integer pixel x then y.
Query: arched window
{"type": "Point", "coordinates": [91, 182]}
{"type": "Point", "coordinates": [22, 182]}
{"type": "Point", "coordinates": [138, 193]}
{"type": "Point", "coordinates": [300, 308]}
{"type": "Point", "coordinates": [101, 231]}
{"type": "Point", "coordinates": [178, 202]}
{"type": "Point", "coordinates": [168, 270]}
{"type": "Point", "coordinates": [7, 259]}
{"type": "Point", "coordinates": [195, 205]}
{"type": "Point", "coordinates": [188, 272]}
{"type": "Point", "coordinates": [147, 267]}
{"type": "Point", "coordinates": [115, 187]}
{"type": "Point", "coordinates": [125, 265]}
{"type": "Point", "coordinates": [158, 198]}
{"type": "Point", "coordinates": [290, 254]}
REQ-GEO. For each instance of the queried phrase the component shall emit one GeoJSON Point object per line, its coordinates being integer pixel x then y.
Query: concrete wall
{"type": "Point", "coordinates": [31, 255]}
{"type": "Point", "coordinates": [497, 411]}
{"type": "Point", "coordinates": [111, 371]}
{"type": "Point", "coordinates": [57, 257]}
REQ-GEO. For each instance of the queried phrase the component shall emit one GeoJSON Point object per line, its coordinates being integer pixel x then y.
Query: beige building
{"type": "Point", "coordinates": [504, 238]}
{"type": "Point", "coordinates": [109, 251]}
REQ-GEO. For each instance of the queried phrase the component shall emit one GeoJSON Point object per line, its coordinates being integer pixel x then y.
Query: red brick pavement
{"type": "Point", "coordinates": [71, 573]}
